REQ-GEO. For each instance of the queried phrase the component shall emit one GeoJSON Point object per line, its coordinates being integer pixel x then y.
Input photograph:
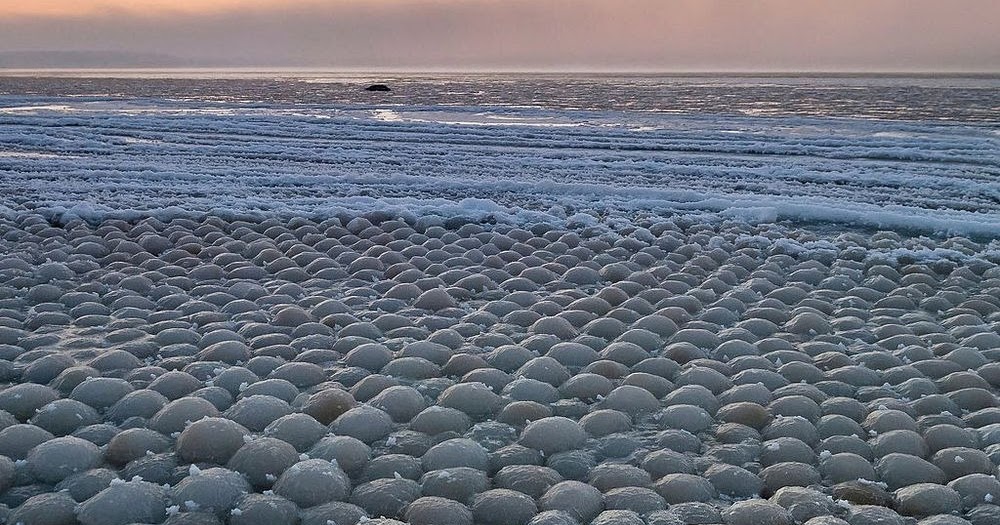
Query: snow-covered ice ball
{"type": "Point", "coordinates": [213, 490]}
{"type": "Point", "coordinates": [683, 487]}
{"type": "Point", "coordinates": [503, 507]}
{"type": "Point", "coordinates": [804, 503]}
{"type": "Point", "coordinates": [756, 512]}
{"type": "Point", "coordinates": [263, 460]}
{"type": "Point", "coordinates": [514, 454]}
{"type": "Point", "coordinates": [434, 420]}
{"type": "Point", "coordinates": [458, 483]}
{"type": "Point", "coordinates": [135, 443]}
{"type": "Point", "coordinates": [433, 510]}
{"type": "Point", "coordinates": [631, 400]}
{"type": "Point", "coordinates": [607, 476]}
{"type": "Point", "coordinates": [584, 502]}
{"type": "Point", "coordinates": [329, 404]}
{"type": "Point", "coordinates": [474, 399]}
{"type": "Point", "coordinates": [641, 500]}
{"type": "Point", "coordinates": [177, 414]}
{"type": "Point", "coordinates": [46, 368]}
{"type": "Point", "coordinates": [587, 387]}
{"type": "Point", "coordinates": [526, 389]}
{"type": "Point", "coordinates": [943, 436]}
{"type": "Point", "coordinates": [733, 481]}
{"type": "Point", "coordinates": [678, 440]}
{"type": "Point", "coordinates": [393, 466]}
{"type": "Point", "coordinates": [960, 461]}
{"type": "Point", "coordinates": [546, 370]}
{"type": "Point", "coordinates": [784, 449]}
{"type": "Point", "coordinates": [219, 397]}
{"type": "Point", "coordinates": [553, 434]}
{"type": "Point", "coordinates": [572, 464]}
{"type": "Point", "coordinates": [233, 377]}
{"type": "Point", "coordinates": [553, 517]}
{"type": "Point", "coordinates": [278, 388]}
{"type": "Point", "coordinates": [335, 511]}
{"type": "Point", "coordinates": [402, 403]}
{"type": "Point", "coordinates": [871, 515]}
{"type": "Point", "coordinates": [351, 454]}
{"type": "Point", "coordinates": [788, 474]}
{"type": "Point", "coordinates": [900, 470]}
{"type": "Point", "coordinates": [926, 499]}
{"type": "Point", "coordinates": [735, 433]}
{"type": "Point", "coordinates": [618, 517]}
{"type": "Point", "coordinates": [211, 440]}
{"type": "Point", "coordinates": [556, 326]}
{"type": "Point", "coordinates": [71, 377]}
{"type": "Point", "coordinates": [434, 299]}
{"type": "Point", "coordinates": [8, 473]}
{"type": "Point", "coordinates": [22, 400]}
{"type": "Point", "coordinates": [976, 488]}
{"type": "Point", "coordinates": [457, 452]}
{"type": "Point", "coordinates": [140, 403]}
{"type": "Point", "coordinates": [312, 482]}
{"type": "Point", "coordinates": [54, 508]}
{"type": "Point", "coordinates": [901, 442]}
{"type": "Point", "coordinates": [300, 374]}
{"type": "Point", "coordinates": [175, 384]}
{"type": "Point", "coordinates": [386, 497]}
{"type": "Point", "coordinates": [370, 356]}
{"type": "Point", "coordinates": [364, 422]}
{"type": "Point", "coordinates": [796, 427]}
{"type": "Point", "coordinates": [863, 492]}
{"type": "Point", "coordinates": [299, 430]}
{"type": "Point", "coordinates": [58, 458]}
{"type": "Point", "coordinates": [533, 480]}
{"type": "Point", "coordinates": [115, 360]}
{"type": "Point", "coordinates": [745, 413]}
{"type": "Point", "coordinates": [124, 503]}
{"type": "Point", "coordinates": [519, 413]}
{"type": "Point", "coordinates": [258, 411]}
{"type": "Point", "coordinates": [691, 418]}
{"type": "Point", "coordinates": [84, 485]}
{"type": "Point", "coordinates": [63, 416]}
{"type": "Point", "coordinates": [826, 520]}
{"type": "Point", "coordinates": [252, 509]}
{"type": "Point", "coordinates": [661, 462]}
{"type": "Point", "coordinates": [157, 468]}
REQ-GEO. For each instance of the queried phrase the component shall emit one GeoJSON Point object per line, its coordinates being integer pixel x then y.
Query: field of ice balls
{"type": "Point", "coordinates": [350, 370]}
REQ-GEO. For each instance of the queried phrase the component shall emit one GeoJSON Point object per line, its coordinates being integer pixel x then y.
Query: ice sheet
{"type": "Point", "coordinates": [93, 157]}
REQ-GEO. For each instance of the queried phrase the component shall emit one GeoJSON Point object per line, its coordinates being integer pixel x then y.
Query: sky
{"type": "Point", "coordinates": [620, 35]}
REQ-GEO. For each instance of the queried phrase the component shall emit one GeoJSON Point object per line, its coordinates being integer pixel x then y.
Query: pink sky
{"type": "Point", "coordinates": [524, 34]}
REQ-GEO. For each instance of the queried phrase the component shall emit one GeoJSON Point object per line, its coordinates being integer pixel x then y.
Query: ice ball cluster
{"type": "Point", "coordinates": [438, 371]}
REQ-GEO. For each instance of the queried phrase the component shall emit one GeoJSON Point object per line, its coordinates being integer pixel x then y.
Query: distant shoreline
{"type": "Point", "coordinates": [249, 72]}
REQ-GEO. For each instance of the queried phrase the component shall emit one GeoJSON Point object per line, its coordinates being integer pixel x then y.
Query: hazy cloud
{"type": "Point", "coordinates": [566, 34]}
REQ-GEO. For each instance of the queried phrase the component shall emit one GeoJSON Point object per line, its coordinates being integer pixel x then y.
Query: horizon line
{"type": "Point", "coordinates": [487, 70]}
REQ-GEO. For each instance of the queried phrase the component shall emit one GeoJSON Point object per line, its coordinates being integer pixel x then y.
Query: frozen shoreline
{"type": "Point", "coordinates": [100, 159]}
{"type": "Point", "coordinates": [298, 315]}
{"type": "Point", "coordinates": [298, 371]}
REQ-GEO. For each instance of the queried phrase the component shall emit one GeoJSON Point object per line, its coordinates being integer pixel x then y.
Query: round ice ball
{"type": "Point", "coordinates": [56, 459]}
{"type": "Point", "coordinates": [211, 440]}
{"type": "Point", "coordinates": [125, 502]}
{"type": "Point", "coordinates": [312, 482]}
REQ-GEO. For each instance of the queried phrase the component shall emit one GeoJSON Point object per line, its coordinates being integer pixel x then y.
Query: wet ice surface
{"type": "Point", "coordinates": [213, 312]}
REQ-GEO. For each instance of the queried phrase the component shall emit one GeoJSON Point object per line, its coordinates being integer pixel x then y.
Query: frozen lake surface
{"type": "Point", "coordinates": [479, 300]}
{"type": "Point", "coordinates": [920, 154]}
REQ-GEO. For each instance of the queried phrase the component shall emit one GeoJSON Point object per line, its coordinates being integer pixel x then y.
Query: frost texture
{"type": "Point", "coordinates": [92, 159]}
